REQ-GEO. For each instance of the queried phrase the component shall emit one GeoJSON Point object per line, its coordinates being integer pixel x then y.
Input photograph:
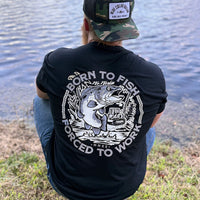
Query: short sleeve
{"type": "Point", "coordinates": [163, 95]}
{"type": "Point", "coordinates": [162, 105]}
{"type": "Point", "coordinates": [41, 79]}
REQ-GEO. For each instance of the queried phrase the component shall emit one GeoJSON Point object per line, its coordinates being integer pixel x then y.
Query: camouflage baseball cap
{"type": "Point", "coordinates": [111, 19]}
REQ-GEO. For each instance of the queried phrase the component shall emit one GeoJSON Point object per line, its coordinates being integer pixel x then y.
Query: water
{"type": "Point", "coordinates": [170, 33]}
{"type": "Point", "coordinates": [169, 36]}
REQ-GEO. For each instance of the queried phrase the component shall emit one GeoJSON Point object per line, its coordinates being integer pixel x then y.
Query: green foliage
{"type": "Point", "coordinates": [168, 177]}
{"type": "Point", "coordinates": [24, 177]}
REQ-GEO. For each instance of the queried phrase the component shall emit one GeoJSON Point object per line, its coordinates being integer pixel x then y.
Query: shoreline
{"type": "Point", "coordinates": [180, 123]}
{"type": "Point", "coordinates": [179, 126]}
{"type": "Point", "coordinates": [16, 137]}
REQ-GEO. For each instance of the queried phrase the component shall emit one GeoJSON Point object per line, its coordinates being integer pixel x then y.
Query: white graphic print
{"type": "Point", "coordinates": [102, 113]}
{"type": "Point", "coordinates": [93, 103]}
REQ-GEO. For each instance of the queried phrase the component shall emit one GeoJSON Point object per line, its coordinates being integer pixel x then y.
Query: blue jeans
{"type": "Point", "coordinates": [150, 138]}
{"type": "Point", "coordinates": [44, 126]}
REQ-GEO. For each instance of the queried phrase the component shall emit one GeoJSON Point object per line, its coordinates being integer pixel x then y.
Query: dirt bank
{"type": "Point", "coordinates": [16, 137]}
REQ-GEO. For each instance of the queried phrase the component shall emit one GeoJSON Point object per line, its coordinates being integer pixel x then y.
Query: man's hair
{"type": "Point", "coordinates": [91, 30]}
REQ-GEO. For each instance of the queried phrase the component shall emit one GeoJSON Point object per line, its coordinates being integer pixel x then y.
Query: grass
{"type": "Point", "coordinates": [168, 177]}
{"type": "Point", "coordinates": [23, 176]}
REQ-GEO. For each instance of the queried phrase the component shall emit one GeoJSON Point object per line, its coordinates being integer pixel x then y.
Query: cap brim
{"type": "Point", "coordinates": [115, 32]}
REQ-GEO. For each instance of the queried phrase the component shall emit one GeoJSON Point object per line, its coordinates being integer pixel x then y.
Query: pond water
{"type": "Point", "coordinates": [169, 36]}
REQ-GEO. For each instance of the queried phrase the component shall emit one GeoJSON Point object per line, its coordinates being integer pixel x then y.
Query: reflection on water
{"type": "Point", "coordinates": [169, 36]}
{"type": "Point", "coordinates": [28, 30]}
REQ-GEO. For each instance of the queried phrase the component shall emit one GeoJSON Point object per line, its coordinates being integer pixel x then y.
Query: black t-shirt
{"type": "Point", "coordinates": [103, 100]}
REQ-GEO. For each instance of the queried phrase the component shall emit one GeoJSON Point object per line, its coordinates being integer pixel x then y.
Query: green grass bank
{"type": "Point", "coordinates": [171, 175]}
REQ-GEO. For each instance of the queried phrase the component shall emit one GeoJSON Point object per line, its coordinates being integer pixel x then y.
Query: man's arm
{"type": "Point", "coordinates": [156, 119]}
{"type": "Point", "coordinates": [41, 94]}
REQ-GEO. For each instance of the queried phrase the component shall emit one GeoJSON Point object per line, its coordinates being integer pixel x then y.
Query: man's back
{"type": "Point", "coordinates": [103, 100]}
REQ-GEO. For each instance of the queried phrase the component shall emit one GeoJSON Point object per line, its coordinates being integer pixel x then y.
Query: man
{"type": "Point", "coordinates": [101, 102]}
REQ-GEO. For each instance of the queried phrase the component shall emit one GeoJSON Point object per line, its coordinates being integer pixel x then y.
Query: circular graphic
{"type": "Point", "coordinates": [101, 112]}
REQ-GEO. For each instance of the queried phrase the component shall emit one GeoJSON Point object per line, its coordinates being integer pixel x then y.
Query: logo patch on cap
{"type": "Point", "coordinates": [119, 10]}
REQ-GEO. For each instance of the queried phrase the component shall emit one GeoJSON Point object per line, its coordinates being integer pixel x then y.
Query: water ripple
{"type": "Point", "coordinates": [169, 36]}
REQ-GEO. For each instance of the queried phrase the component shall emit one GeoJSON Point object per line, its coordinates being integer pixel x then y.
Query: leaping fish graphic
{"type": "Point", "coordinates": [93, 103]}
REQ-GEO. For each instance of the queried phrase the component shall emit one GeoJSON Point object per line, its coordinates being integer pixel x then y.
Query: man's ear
{"type": "Point", "coordinates": [86, 25]}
